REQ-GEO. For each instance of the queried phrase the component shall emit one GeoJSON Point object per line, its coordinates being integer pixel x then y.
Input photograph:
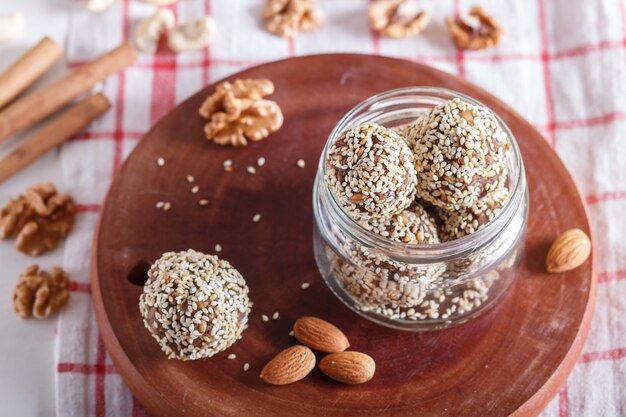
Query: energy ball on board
{"type": "Point", "coordinates": [467, 220]}
{"type": "Point", "coordinates": [194, 305]}
{"type": "Point", "coordinates": [460, 154]}
{"type": "Point", "coordinates": [370, 171]}
{"type": "Point", "coordinates": [413, 225]}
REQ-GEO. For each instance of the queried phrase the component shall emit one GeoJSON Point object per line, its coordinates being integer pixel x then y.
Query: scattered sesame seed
{"type": "Point", "coordinates": [260, 162]}
{"type": "Point", "coordinates": [227, 165]}
{"type": "Point", "coordinates": [231, 356]}
{"type": "Point", "coordinates": [246, 366]}
{"type": "Point", "coordinates": [190, 178]}
{"type": "Point", "coordinates": [265, 318]}
{"type": "Point", "coordinates": [301, 163]}
{"type": "Point", "coordinates": [195, 189]}
{"type": "Point", "coordinates": [203, 202]}
{"type": "Point", "coordinates": [160, 161]}
{"type": "Point", "coordinates": [275, 316]}
{"type": "Point", "coordinates": [160, 204]}
{"type": "Point", "coordinates": [251, 170]}
{"type": "Point", "coordinates": [167, 205]}
{"type": "Point", "coordinates": [291, 333]}
{"type": "Point", "coordinates": [218, 248]}
{"type": "Point", "coordinates": [305, 285]}
{"type": "Point", "coordinates": [256, 218]}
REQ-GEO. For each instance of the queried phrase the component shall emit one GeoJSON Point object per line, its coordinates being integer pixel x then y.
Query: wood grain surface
{"type": "Point", "coordinates": [511, 361]}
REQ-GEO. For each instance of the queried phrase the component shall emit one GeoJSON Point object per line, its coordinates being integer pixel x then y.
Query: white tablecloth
{"type": "Point", "coordinates": [562, 65]}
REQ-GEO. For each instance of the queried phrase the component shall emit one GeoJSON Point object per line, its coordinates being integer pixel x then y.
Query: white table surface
{"type": "Point", "coordinates": [27, 348]}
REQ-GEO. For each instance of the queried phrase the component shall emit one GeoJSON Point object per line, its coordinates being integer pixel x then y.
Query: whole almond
{"type": "Point", "coordinates": [290, 365]}
{"type": "Point", "coordinates": [348, 367]}
{"type": "Point", "coordinates": [320, 335]}
{"type": "Point", "coordinates": [569, 251]}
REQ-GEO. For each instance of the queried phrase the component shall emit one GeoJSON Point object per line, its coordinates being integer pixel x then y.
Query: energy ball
{"type": "Point", "coordinates": [413, 225]}
{"type": "Point", "coordinates": [370, 171]}
{"type": "Point", "coordinates": [194, 305]}
{"type": "Point", "coordinates": [460, 154]}
{"type": "Point", "coordinates": [467, 220]}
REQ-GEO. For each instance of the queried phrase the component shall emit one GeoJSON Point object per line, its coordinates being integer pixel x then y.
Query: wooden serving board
{"type": "Point", "coordinates": [511, 361]}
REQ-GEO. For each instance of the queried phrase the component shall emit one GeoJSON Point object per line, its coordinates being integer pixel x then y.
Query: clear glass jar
{"type": "Point", "coordinates": [409, 286]}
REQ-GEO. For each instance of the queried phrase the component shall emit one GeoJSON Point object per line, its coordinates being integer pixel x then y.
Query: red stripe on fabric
{"type": "Point", "coordinates": [100, 381]}
{"type": "Point", "coordinates": [612, 276]}
{"type": "Point", "coordinates": [502, 57]}
{"type": "Point", "coordinates": [118, 137]}
{"type": "Point", "coordinates": [608, 196]}
{"type": "Point", "coordinates": [108, 135]}
{"type": "Point", "coordinates": [547, 78]}
{"type": "Point", "coordinates": [563, 402]}
{"type": "Point", "coordinates": [164, 67]}
{"type": "Point", "coordinates": [591, 122]}
{"type": "Point", "coordinates": [138, 410]}
{"type": "Point", "coordinates": [87, 208]}
{"type": "Point", "coordinates": [84, 287]}
{"type": "Point", "coordinates": [613, 354]}
{"type": "Point", "coordinates": [586, 49]}
{"type": "Point", "coordinates": [85, 369]}
{"type": "Point", "coordinates": [460, 54]}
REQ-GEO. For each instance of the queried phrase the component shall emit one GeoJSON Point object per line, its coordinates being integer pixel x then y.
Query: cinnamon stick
{"type": "Point", "coordinates": [28, 68]}
{"type": "Point", "coordinates": [36, 106]}
{"type": "Point", "coordinates": [55, 133]}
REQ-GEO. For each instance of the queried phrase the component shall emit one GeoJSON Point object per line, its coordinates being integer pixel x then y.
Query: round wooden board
{"type": "Point", "coordinates": [511, 361]}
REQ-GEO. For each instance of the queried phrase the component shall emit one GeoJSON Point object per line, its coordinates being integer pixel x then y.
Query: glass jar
{"type": "Point", "coordinates": [410, 286]}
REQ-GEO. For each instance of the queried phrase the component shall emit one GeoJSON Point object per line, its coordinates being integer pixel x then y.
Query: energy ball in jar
{"type": "Point", "coordinates": [460, 154]}
{"type": "Point", "coordinates": [370, 171]}
{"type": "Point", "coordinates": [194, 305]}
{"type": "Point", "coordinates": [413, 225]}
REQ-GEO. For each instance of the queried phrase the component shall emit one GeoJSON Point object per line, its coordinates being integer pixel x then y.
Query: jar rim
{"type": "Point", "coordinates": [443, 250]}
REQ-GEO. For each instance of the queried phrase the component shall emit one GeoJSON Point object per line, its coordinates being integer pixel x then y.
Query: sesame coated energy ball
{"type": "Point", "coordinates": [370, 171]}
{"type": "Point", "coordinates": [460, 154]}
{"type": "Point", "coordinates": [194, 305]}
{"type": "Point", "coordinates": [413, 225]}
{"type": "Point", "coordinates": [467, 220]}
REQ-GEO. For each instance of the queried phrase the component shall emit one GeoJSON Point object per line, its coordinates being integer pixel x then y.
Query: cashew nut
{"type": "Point", "coordinates": [11, 26]}
{"type": "Point", "coordinates": [192, 35]}
{"type": "Point", "coordinates": [150, 29]}
{"type": "Point", "coordinates": [99, 6]}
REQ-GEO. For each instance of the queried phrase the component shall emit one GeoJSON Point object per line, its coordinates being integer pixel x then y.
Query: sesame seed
{"type": "Point", "coordinates": [301, 163]}
{"type": "Point", "coordinates": [256, 218]}
{"type": "Point", "coordinates": [231, 356]}
{"type": "Point", "coordinates": [260, 162]}
{"type": "Point", "coordinates": [275, 315]}
{"type": "Point", "coordinates": [203, 202]}
{"type": "Point", "coordinates": [251, 170]}
{"type": "Point", "coordinates": [265, 318]}
{"type": "Point", "coordinates": [167, 205]}
{"type": "Point", "coordinates": [160, 204]}
{"type": "Point", "coordinates": [160, 161]}
{"type": "Point", "coordinates": [190, 178]}
{"type": "Point", "coordinates": [218, 248]}
{"type": "Point", "coordinates": [227, 165]}
{"type": "Point", "coordinates": [195, 189]}
{"type": "Point", "coordinates": [246, 366]}
{"type": "Point", "coordinates": [291, 333]}
{"type": "Point", "coordinates": [305, 285]}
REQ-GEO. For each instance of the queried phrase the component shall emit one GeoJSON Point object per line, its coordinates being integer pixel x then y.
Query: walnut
{"type": "Point", "coordinates": [38, 219]}
{"type": "Point", "coordinates": [286, 18]}
{"type": "Point", "coordinates": [39, 293]}
{"type": "Point", "coordinates": [397, 18]}
{"type": "Point", "coordinates": [237, 112]}
{"type": "Point", "coordinates": [477, 30]}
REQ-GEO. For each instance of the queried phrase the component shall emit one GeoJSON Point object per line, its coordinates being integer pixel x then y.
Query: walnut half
{"type": "Point", "coordinates": [237, 112]}
{"type": "Point", "coordinates": [477, 30]}
{"type": "Point", "coordinates": [39, 293]}
{"type": "Point", "coordinates": [38, 219]}
{"type": "Point", "coordinates": [397, 18]}
{"type": "Point", "coordinates": [286, 18]}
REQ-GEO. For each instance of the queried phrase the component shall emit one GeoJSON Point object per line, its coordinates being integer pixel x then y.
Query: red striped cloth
{"type": "Point", "coordinates": [562, 65]}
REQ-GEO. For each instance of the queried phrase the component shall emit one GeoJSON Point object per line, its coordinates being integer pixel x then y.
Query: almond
{"type": "Point", "coordinates": [348, 367]}
{"type": "Point", "coordinates": [569, 251]}
{"type": "Point", "coordinates": [290, 365]}
{"type": "Point", "coordinates": [320, 335]}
